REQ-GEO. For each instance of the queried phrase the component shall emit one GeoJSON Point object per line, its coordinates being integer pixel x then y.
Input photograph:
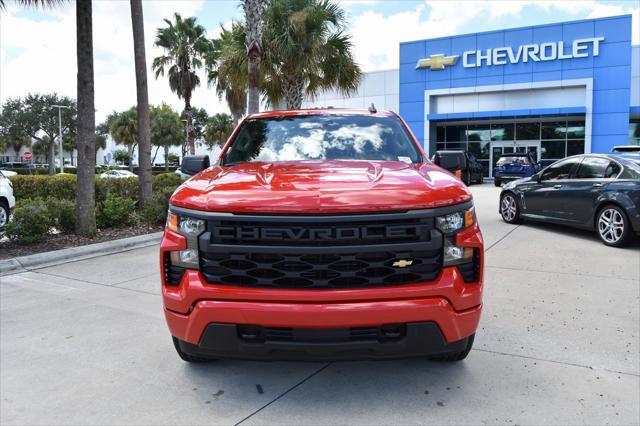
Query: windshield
{"type": "Point", "coordinates": [322, 137]}
{"type": "Point", "coordinates": [513, 160]}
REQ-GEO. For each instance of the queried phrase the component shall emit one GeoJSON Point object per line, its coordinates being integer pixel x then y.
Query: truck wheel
{"type": "Point", "coordinates": [187, 357]}
{"type": "Point", "coordinates": [455, 356]}
{"type": "Point", "coordinates": [497, 182]}
{"type": "Point", "coordinates": [467, 179]}
{"type": "Point", "coordinates": [4, 214]}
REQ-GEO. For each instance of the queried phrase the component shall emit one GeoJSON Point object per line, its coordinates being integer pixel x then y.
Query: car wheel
{"type": "Point", "coordinates": [4, 214]}
{"type": "Point", "coordinates": [187, 357]}
{"type": "Point", "coordinates": [497, 182]}
{"type": "Point", "coordinates": [612, 226]}
{"type": "Point", "coordinates": [509, 209]}
{"type": "Point", "coordinates": [467, 179]}
{"type": "Point", "coordinates": [455, 356]}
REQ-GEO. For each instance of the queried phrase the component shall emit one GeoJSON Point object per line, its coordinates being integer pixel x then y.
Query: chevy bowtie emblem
{"type": "Point", "coordinates": [402, 263]}
{"type": "Point", "coordinates": [437, 62]}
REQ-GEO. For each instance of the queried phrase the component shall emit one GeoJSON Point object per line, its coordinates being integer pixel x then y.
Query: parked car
{"type": "Point", "coordinates": [15, 165]}
{"type": "Point", "coordinates": [321, 234]}
{"type": "Point", "coordinates": [591, 191]}
{"type": "Point", "coordinates": [8, 173]}
{"type": "Point", "coordinates": [117, 174]}
{"type": "Point", "coordinates": [626, 148]}
{"type": "Point", "coordinates": [514, 166]}
{"type": "Point", "coordinates": [7, 200]}
{"type": "Point", "coordinates": [465, 162]}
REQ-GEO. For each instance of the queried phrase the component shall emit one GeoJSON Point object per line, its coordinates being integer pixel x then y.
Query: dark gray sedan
{"type": "Point", "coordinates": [590, 191]}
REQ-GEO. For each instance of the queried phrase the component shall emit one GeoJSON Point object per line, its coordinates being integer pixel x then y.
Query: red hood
{"type": "Point", "coordinates": [320, 187]}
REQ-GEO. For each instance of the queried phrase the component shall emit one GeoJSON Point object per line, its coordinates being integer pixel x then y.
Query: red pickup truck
{"type": "Point", "coordinates": [321, 234]}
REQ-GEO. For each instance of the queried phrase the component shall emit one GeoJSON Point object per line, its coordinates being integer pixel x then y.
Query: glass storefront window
{"type": "Point", "coordinates": [527, 131]}
{"type": "Point", "coordinates": [575, 130]}
{"type": "Point", "coordinates": [502, 132]}
{"type": "Point", "coordinates": [634, 131]}
{"type": "Point", "coordinates": [479, 149]}
{"type": "Point", "coordinates": [440, 134]}
{"type": "Point", "coordinates": [439, 146]}
{"type": "Point", "coordinates": [478, 133]}
{"type": "Point", "coordinates": [553, 149]}
{"type": "Point", "coordinates": [575, 147]}
{"type": "Point", "coordinates": [554, 130]}
{"type": "Point", "coordinates": [457, 146]}
{"type": "Point", "coordinates": [456, 133]}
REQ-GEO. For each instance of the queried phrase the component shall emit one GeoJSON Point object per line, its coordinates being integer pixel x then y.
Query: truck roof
{"type": "Point", "coordinates": [319, 111]}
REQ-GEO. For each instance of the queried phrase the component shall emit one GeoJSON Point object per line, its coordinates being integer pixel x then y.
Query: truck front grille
{"type": "Point", "coordinates": [321, 252]}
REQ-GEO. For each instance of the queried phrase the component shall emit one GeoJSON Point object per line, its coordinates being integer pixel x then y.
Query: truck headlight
{"type": "Point", "coordinates": [190, 228]}
{"type": "Point", "coordinates": [449, 225]}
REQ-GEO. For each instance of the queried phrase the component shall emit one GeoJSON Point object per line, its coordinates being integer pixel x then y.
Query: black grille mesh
{"type": "Point", "coordinates": [172, 273]}
{"type": "Point", "coordinates": [470, 271]}
{"type": "Point", "coordinates": [322, 270]}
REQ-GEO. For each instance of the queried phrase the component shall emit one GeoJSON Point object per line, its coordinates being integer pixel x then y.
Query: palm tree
{"type": "Point", "coordinates": [86, 133]}
{"type": "Point", "coordinates": [124, 130]}
{"type": "Point", "coordinates": [218, 130]}
{"type": "Point", "coordinates": [228, 69]}
{"type": "Point", "coordinates": [144, 125]}
{"type": "Point", "coordinates": [166, 130]}
{"type": "Point", "coordinates": [185, 50]}
{"type": "Point", "coordinates": [306, 51]}
{"type": "Point", "coordinates": [253, 10]}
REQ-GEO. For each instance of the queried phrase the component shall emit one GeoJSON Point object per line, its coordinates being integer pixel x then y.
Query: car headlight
{"type": "Point", "coordinates": [190, 228]}
{"type": "Point", "coordinates": [450, 224]}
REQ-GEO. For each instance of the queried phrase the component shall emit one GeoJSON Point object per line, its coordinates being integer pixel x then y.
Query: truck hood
{"type": "Point", "coordinates": [319, 187]}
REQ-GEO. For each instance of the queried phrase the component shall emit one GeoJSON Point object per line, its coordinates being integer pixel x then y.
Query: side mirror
{"type": "Point", "coordinates": [537, 177]}
{"type": "Point", "coordinates": [194, 164]}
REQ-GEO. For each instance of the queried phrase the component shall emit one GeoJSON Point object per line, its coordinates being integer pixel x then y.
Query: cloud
{"type": "Point", "coordinates": [376, 37]}
{"type": "Point", "coordinates": [39, 55]}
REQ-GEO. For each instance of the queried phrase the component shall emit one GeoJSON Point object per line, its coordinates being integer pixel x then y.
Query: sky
{"type": "Point", "coordinates": [38, 47]}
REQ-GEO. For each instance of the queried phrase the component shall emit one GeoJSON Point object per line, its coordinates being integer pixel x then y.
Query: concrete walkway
{"type": "Point", "coordinates": [86, 343]}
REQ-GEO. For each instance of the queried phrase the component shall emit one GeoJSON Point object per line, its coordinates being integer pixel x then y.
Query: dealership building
{"type": "Point", "coordinates": [553, 90]}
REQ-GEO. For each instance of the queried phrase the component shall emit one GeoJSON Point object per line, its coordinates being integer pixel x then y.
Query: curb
{"type": "Point", "coordinates": [57, 257]}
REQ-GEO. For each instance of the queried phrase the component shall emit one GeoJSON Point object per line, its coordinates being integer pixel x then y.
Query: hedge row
{"type": "Point", "coordinates": [72, 170]}
{"type": "Point", "coordinates": [63, 186]}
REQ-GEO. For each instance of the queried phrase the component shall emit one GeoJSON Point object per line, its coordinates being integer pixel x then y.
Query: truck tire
{"type": "Point", "coordinates": [497, 182]}
{"type": "Point", "coordinates": [185, 356]}
{"type": "Point", "coordinates": [455, 356]}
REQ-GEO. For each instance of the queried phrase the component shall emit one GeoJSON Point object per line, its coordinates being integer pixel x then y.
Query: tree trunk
{"type": "Point", "coordinates": [52, 156]}
{"type": "Point", "coordinates": [86, 135]}
{"type": "Point", "coordinates": [166, 158]}
{"type": "Point", "coordinates": [293, 89]}
{"type": "Point", "coordinates": [253, 30]}
{"type": "Point", "coordinates": [130, 154]}
{"type": "Point", "coordinates": [189, 129]}
{"type": "Point", "coordinates": [144, 126]}
{"type": "Point", "coordinates": [153, 160]}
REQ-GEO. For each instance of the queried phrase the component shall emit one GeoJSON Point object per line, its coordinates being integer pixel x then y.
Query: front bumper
{"type": "Point", "coordinates": [438, 315]}
{"type": "Point", "coordinates": [227, 341]}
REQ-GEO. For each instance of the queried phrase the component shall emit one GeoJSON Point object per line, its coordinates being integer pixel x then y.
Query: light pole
{"type": "Point", "coordinates": [60, 134]}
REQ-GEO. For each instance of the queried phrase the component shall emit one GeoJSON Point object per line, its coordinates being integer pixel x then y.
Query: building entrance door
{"type": "Point", "coordinates": [499, 148]}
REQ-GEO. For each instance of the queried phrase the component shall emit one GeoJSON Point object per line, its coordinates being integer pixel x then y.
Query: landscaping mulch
{"type": "Point", "coordinates": [9, 249]}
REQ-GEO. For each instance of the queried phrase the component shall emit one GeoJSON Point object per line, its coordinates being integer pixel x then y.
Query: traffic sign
{"type": "Point", "coordinates": [27, 155]}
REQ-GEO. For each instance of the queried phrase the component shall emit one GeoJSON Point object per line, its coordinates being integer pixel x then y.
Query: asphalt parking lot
{"type": "Point", "coordinates": [86, 343]}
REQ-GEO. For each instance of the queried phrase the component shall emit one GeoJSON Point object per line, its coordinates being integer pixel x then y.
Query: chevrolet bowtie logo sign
{"type": "Point", "coordinates": [437, 62]}
{"type": "Point", "coordinates": [402, 263]}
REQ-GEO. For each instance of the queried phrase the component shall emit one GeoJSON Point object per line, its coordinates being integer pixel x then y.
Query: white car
{"type": "Point", "coordinates": [8, 173]}
{"type": "Point", "coordinates": [117, 174]}
{"type": "Point", "coordinates": [7, 200]}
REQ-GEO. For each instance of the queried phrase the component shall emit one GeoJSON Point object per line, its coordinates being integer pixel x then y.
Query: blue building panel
{"type": "Point", "coordinates": [519, 60]}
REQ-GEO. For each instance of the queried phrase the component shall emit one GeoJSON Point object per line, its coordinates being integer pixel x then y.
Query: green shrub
{"type": "Point", "coordinates": [155, 212]}
{"type": "Point", "coordinates": [63, 214]}
{"type": "Point", "coordinates": [123, 187]}
{"type": "Point", "coordinates": [166, 180]}
{"type": "Point", "coordinates": [115, 211]}
{"type": "Point", "coordinates": [31, 222]}
{"type": "Point", "coordinates": [61, 186]}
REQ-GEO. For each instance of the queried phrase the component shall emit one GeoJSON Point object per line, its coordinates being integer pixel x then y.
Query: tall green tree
{"type": "Point", "coordinates": [253, 10]}
{"type": "Point", "coordinates": [166, 130]}
{"type": "Point", "coordinates": [144, 124]}
{"type": "Point", "coordinates": [306, 51]}
{"type": "Point", "coordinates": [228, 70]}
{"type": "Point", "coordinates": [36, 117]}
{"type": "Point", "coordinates": [186, 48]}
{"type": "Point", "coordinates": [200, 117]}
{"type": "Point", "coordinates": [218, 130]}
{"type": "Point", "coordinates": [124, 131]}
